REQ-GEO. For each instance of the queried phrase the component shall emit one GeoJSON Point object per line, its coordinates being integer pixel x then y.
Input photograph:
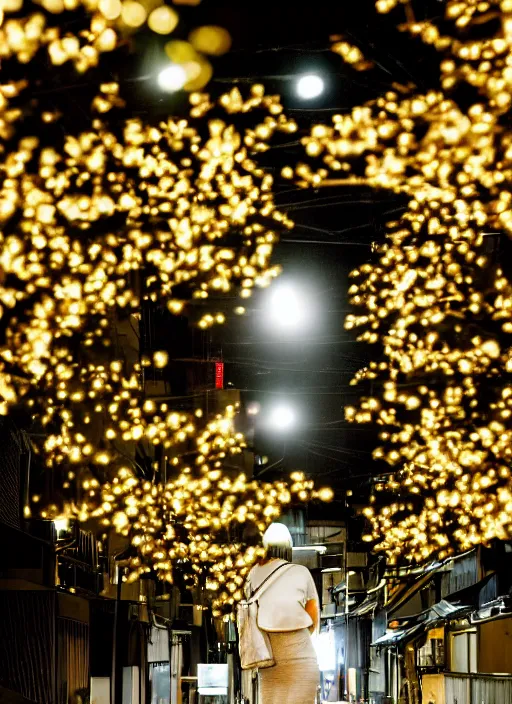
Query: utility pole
{"type": "Point", "coordinates": [116, 681]}
{"type": "Point", "coordinates": [346, 620]}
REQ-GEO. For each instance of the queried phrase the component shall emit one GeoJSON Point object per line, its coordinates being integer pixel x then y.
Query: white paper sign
{"type": "Point", "coordinates": [212, 679]}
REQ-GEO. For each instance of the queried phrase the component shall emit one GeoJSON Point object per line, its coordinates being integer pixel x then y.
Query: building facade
{"type": "Point", "coordinates": [441, 634]}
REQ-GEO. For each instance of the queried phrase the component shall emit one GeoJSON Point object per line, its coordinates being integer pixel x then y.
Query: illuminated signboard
{"type": "Point", "coordinates": [219, 375]}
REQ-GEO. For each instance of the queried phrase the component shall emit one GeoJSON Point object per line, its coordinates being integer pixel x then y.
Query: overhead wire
{"type": "Point", "coordinates": [282, 342]}
{"type": "Point", "coordinates": [331, 201]}
{"type": "Point", "coordinates": [337, 197]}
{"type": "Point", "coordinates": [346, 243]}
{"type": "Point", "coordinates": [323, 230]}
{"type": "Point", "coordinates": [332, 448]}
{"type": "Point", "coordinates": [324, 456]}
{"type": "Point", "coordinates": [304, 392]}
{"type": "Point", "coordinates": [268, 367]}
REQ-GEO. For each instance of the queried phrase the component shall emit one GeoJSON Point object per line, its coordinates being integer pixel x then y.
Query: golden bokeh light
{"type": "Point", "coordinates": [436, 301]}
{"type": "Point", "coordinates": [156, 181]}
{"type": "Point", "coordinates": [350, 54]}
{"type": "Point", "coordinates": [133, 13]}
{"type": "Point", "coordinates": [111, 9]}
{"type": "Point", "coordinates": [211, 40]}
{"type": "Point", "coordinates": [180, 51]}
{"type": "Point", "coordinates": [163, 20]}
{"type": "Point", "coordinates": [98, 225]}
{"type": "Point", "coordinates": [197, 521]}
{"type": "Point", "coordinates": [199, 74]}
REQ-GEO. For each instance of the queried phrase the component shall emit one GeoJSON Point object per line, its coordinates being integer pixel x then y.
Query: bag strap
{"type": "Point", "coordinates": [264, 585]}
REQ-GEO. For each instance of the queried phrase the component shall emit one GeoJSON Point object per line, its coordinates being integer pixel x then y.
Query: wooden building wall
{"type": "Point", "coordinates": [495, 646]}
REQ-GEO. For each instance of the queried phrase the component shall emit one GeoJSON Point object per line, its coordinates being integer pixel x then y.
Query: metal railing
{"type": "Point", "coordinates": [478, 689]}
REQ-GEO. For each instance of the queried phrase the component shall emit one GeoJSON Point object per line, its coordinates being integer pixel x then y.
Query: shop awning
{"type": "Point", "coordinates": [454, 606]}
{"type": "Point", "coordinates": [446, 610]}
{"type": "Point", "coordinates": [424, 621]}
{"type": "Point", "coordinates": [442, 611]}
{"type": "Point", "coordinates": [368, 606]}
{"type": "Point", "coordinates": [395, 637]}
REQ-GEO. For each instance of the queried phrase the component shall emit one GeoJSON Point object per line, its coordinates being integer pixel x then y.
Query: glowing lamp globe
{"type": "Point", "coordinates": [282, 418]}
{"type": "Point", "coordinates": [172, 78]}
{"type": "Point", "coordinates": [310, 86]}
{"type": "Point", "coordinates": [287, 309]}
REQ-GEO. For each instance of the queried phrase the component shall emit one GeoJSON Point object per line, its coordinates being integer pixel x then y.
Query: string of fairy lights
{"type": "Point", "coordinates": [436, 302]}
{"type": "Point", "coordinates": [194, 522]}
{"type": "Point", "coordinates": [97, 223]}
{"type": "Point", "coordinates": [100, 26]}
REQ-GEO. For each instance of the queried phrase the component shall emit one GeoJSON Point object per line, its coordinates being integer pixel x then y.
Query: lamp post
{"type": "Point", "coordinates": [116, 681]}
{"type": "Point", "coordinates": [346, 623]}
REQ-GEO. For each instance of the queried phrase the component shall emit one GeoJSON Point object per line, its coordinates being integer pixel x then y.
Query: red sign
{"type": "Point", "coordinates": [219, 375]}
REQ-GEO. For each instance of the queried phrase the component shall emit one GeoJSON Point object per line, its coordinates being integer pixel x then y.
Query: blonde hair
{"type": "Point", "coordinates": [278, 542]}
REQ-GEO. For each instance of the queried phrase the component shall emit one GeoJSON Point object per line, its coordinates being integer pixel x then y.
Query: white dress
{"type": "Point", "coordinates": [294, 678]}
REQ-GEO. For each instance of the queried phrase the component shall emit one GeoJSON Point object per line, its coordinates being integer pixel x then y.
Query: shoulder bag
{"type": "Point", "coordinates": [254, 644]}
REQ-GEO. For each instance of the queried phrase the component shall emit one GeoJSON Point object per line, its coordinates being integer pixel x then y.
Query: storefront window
{"type": "Point", "coordinates": [432, 653]}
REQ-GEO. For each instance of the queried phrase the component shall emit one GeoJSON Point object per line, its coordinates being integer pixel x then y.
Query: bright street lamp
{"type": "Point", "coordinates": [287, 309]}
{"type": "Point", "coordinates": [281, 418]}
{"type": "Point", "coordinates": [172, 78]}
{"type": "Point", "coordinates": [310, 86]}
